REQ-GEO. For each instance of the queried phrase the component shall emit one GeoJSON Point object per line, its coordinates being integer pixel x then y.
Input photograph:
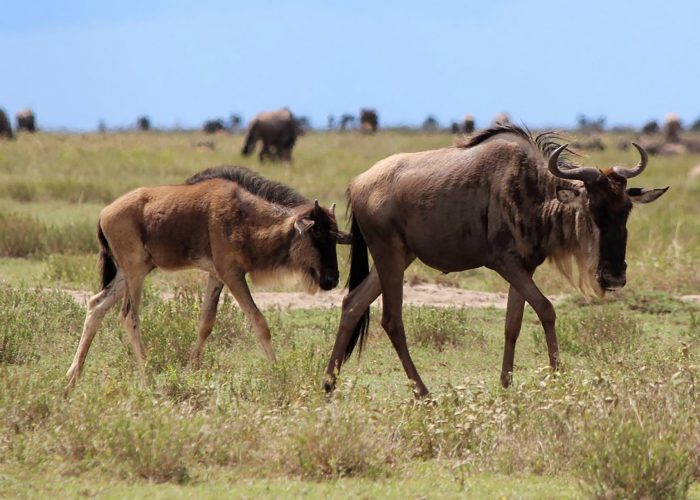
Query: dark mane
{"type": "Point", "coordinates": [546, 142]}
{"type": "Point", "coordinates": [272, 191]}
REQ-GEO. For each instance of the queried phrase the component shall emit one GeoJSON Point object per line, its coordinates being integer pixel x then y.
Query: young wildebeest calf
{"type": "Point", "coordinates": [227, 221]}
{"type": "Point", "coordinates": [500, 200]}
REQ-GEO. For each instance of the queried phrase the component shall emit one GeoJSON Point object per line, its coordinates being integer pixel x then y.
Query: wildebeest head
{"type": "Point", "coordinates": [608, 200]}
{"type": "Point", "coordinates": [313, 248]}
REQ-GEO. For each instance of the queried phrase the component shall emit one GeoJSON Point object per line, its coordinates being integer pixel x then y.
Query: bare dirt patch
{"type": "Point", "coordinates": [424, 294]}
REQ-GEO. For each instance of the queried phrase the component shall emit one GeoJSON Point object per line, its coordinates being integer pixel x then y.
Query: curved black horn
{"type": "Point", "coordinates": [635, 171]}
{"type": "Point", "coordinates": [585, 174]}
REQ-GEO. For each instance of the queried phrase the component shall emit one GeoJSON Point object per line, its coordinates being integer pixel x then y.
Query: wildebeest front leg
{"type": "Point", "coordinates": [522, 281]}
{"type": "Point", "coordinates": [355, 304]}
{"type": "Point", "coordinates": [98, 305]}
{"type": "Point", "coordinates": [239, 288]}
{"type": "Point", "coordinates": [207, 317]}
{"type": "Point", "coordinates": [514, 321]}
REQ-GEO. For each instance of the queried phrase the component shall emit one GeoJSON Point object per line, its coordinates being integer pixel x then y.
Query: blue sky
{"type": "Point", "coordinates": [181, 62]}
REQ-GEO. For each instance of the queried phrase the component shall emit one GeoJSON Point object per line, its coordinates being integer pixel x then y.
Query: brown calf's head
{"type": "Point", "coordinates": [609, 202]}
{"type": "Point", "coordinates": [313, 246]}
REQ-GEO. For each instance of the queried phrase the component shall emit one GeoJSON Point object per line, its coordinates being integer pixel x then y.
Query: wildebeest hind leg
{"type": "Point", "coordinates": [207, 317]}
{"type": "Point", "coordinates": [98, 305]}
{"type": "Point", "coordinates": [514, 321]}
{"type": "Point", "coordinates": [390, 265]}
{"type": "Point", "coordinates": [239, 288]}
{"type": "Point", "coordinates": [132, 323]}
{"type": "Point", "coordinates": [355, 304]}
{"type": "Point", "coordinates": [521, 280]}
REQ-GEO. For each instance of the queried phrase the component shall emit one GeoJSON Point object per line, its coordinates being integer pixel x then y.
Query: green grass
{"type": "Point", "coordinates": [619, 420]}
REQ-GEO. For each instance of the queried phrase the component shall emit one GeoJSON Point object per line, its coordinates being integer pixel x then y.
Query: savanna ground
{"type": "Point", "coordinates": [621, 419]}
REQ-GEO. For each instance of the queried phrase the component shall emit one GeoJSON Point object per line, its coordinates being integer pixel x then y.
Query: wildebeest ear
{"type": "Point", "coordinates": [642, 195]}
{"type": "Point", "coordinates": [568, 195]}
{"type": "Point", "coordinates": [343, 238]}
{"type": "Point", "coordinates": [303, 224]}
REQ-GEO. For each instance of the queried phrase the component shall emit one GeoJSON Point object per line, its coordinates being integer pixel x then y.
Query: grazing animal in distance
{"type": "Point", "coordinates": [213, 126]}
{"type": "Point", "coordinates": [502, 199]}
{"type": "Point", "coordinates": [591, 144]}
{"type": "Point", "coordinates": [5, 126]}
{"type": "Point", "coordinates": [468, 124]}
{"type": "Point", "coordinates": [26, 120]}
{"type": "Point", "coordinates": [278, 130]}
{"type": "Point", "coordinates": [651, 127]}
{"type": "Point", "coordinates": [346, 120]}
{"type": "Point", "coordinates": [143, 123]}
{"type": "Point", "coordinates": [369, 121]}
{"type": "Point", "coordinates": [227, 221]}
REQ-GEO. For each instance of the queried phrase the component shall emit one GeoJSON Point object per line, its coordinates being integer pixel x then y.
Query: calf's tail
{"type": "Point", "coordinates": [108, 268]}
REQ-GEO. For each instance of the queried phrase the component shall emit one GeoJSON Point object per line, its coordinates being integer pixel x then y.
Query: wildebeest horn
{"type": "Point", "coordinates": [635, 171]}
{"type": "Point", "coordinates": [585, 174]}
{"type": "Point", "coordinates": [332, 209]}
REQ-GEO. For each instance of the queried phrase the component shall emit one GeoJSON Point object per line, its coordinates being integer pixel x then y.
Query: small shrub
{"type": "Point", "coordinates": [71, 239]}
{"type": "Point", "coordinates": [153, 446]}
{"type": "Point", "coordinates": [337, 442]}
{"type": "Point", "coordinates": [77, 191]}
{"type": "Point", "coordinates": [21, 191]}
{"type": "Point", "coordinates": [600, 332]}
{"type": "Point", "coordinates": [21, 236]}
{"type": "Point", "coordinates": [75, 270]}
{"type": "Point", "coordinates": [438, 328]}
{"type": "Point", "coordinates": [26, 328]}
{"type": "Point", "coordinates": [627, 460]}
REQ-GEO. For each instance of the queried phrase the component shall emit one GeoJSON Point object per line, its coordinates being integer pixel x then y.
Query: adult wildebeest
{"type": "Point", "coordinates": [5, 126]}
{"type": "Point", "coordinates": [369, 121]}
{"type": "Point", "coordinates": [213, 126]}
{"type": "Point", "coordinates": [227, 221]}
{"type": "Point", "coordinates": [26, 120]}
{"type": "Point", "coordinates": [591, 144]}
{"type": "Point", "coordinates": [143, 123]}
{"type": "Point", "coordinates": [468, 124]}
{"type": "Point", "coordinates": [502, 200]}
{"type": "Point", "coordinates": [278, 131]}
{"type": "Point", "coordinates": [346, 120]}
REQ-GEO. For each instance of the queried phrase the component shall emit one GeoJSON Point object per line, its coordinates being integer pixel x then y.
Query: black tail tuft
{"type": "Point", "coordinates": [359, 269]}
{"type": "Point", "coordinates": [108, 268]}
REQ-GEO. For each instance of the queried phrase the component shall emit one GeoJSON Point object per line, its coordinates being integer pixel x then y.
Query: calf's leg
{"type": "Point", "coordinates": [207, 316]}
{"type": "Point", "coordinates": [131, 321]}
{"type": "Point", "coordinates": [98, 305]}
{"type": "Point", "coordinates": [239, 288]}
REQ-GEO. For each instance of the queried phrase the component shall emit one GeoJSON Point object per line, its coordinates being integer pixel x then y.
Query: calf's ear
{"type": "Point", "coordinates": [303, 224]}
{"type": "Point", "coordinates": [643, 195]}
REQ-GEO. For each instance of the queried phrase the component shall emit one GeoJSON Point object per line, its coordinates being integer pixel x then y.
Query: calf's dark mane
{"type": "Point", "coordinates": [272, 191]}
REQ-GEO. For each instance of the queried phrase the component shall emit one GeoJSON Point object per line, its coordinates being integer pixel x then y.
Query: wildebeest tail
{"type": "Point", "coordinates": [108, 268]}
{"type": "Point", "coordinates": [250, 139]}
{"type": "Point", "coordinates": [359, 269]}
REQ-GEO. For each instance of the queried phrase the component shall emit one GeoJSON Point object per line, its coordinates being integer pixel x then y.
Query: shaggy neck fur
{"type": "Point", "coordinates": [563, 233]}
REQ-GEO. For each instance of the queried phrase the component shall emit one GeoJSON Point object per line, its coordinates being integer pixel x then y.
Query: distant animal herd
{"type": "Point", "coordinates": [501, 198]}
{"type": "Point", "coordinates": [279, 130]}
